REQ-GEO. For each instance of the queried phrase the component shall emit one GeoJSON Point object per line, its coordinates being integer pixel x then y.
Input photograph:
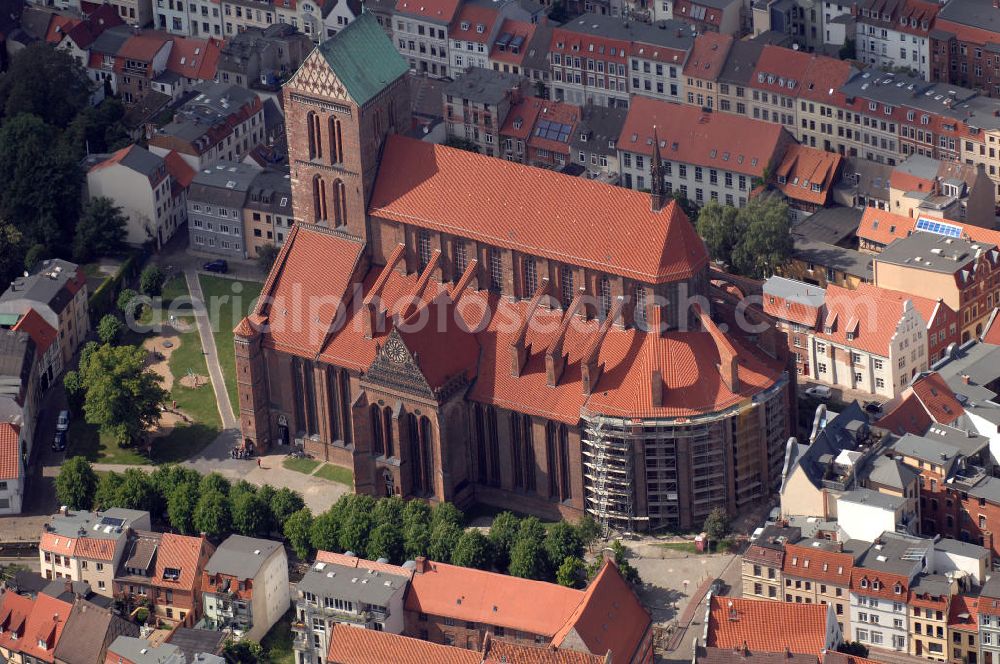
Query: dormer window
{"type": "Point", "coordinates": [480, 28]}
{"type": "Point", "coordinates": [43, 644]}
{"type": "Point", "coordinates": [782, 179]}
{"type": "Point", "coordinates": [465, 25]}
{"type": "Point", "coordinates": [583, 137]}
{"type": "Point", "coordinates": [876, 585]}
{"type": "Point", "coordinates": [898, 589]}
{"type": "Point", "coordinates": [864, 583]}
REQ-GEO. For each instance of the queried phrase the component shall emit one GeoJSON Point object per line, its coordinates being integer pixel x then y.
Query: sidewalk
{"type": "Point", "coordinates": [208, 348]}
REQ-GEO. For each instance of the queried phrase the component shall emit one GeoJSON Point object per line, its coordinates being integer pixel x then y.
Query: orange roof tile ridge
{"type": "Point", "coordinates": [279, 265]}
{"type": "Point", "coordinates": [555, 359]}
{"type": "Point", "coordinates": [383, 276]}
{"type": "Point", "coordinates": [728, 356]}
{"type": "Point", "coordinates": [418, 289]}
{"type": "Point", "coordinates": [594, 347]}
{"type": "Point", "coordinates": [541, 291]}
{"type": "Point", "coordinates": [463, 283]}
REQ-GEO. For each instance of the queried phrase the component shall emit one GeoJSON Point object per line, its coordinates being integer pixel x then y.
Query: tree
{"type": "Point", "coordinates": [165, 478]}
{"type": "Point", "coordinates": [416, 511]}
{"type": "Point", "coordinates": [75, 392]}
{"type": "Point", "coordinates": [107, 491]}
{"type": "Point", "coordinates": [46, 82]}
{"type": "Point", "coordinates": [766, 242]}
{"type": "Point", "coordinates": [126, 302]}
{"type": "Point", "coordinates": [324, 533]}
{"type": "Point", "coordinates": [588, 529]}
{"type": "Point", "coordinates": [45, 215]}
{"type": "Point", "coordinates": [284, 504]}
{"type": "Point", "coordinates": [212, 514]}
{"type": "Point", "coordinates": [442, 543]}
{"type": "Point", "coordinates": [716, 524]}
{"type": "Point", "coordinates": [527, 559]}
{"type": "Point", "coordinates": [628, 572]}
{"type": "Point", "coordinates": [473, 549]}
{"type": "Point", "coordinates": [151, 280]}
{"type": "Point", "coordinates": [298, 532]}
{"type": "Point", "coordinates": [848, 51]}
{"type": "Point", "coordinates": [243, 651]}
{"type": "Point", "coordinates": [717, 226]}
{"type": "Point", "coordinates": [389, 510]}
{"type": "Point", "coordinates": [98, 129]}
{"type": "Point", "coordinates": [110, 329]}
{"type": "Point", "coordinates": [446, 513]}
{"type": "Point", "coordinates": [266, 256]}
{"type": "Point", "coordinates": [855, 648]}
{"type": "Point", "coordinates": [136, 491]}
{"type": "Point", "coordinates": [503, 534]}
{"type": "Point", "coordinates": [531, 528]}
{"type": "Point", "coordinates": [76, 484]}
{"type": "Point", "coordinates": [239, 488]}
{"type": "Point", "coordinates": [266, 494]}
{"type": "Point", "coordinates": [416, 540]}
{"type": "Point", "coordinates": [685, 204]}
{"type": "Point", "coordinates": [101, 230]}
{"type": "Point", "coordinates": [181, 504]}
{"type": "Point", "coordinates": [123, 395]}
{"type": "Point", "coordinates": [354, 532]}
{"type": "Point", "coordinates": [461, 144]}
{"type": "Point", "coordinates": [386, 541]}
{"type": "Point", "coordinates": [249, 514]}
{"type": "Point", "coordinates": [571, 572]}
{"type": "Point", "coordinates": [214, 482]}
{"type": "Point", "coordinates": [562, 542]}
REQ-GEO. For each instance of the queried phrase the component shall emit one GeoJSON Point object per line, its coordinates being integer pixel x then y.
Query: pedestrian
{"type": "Point", "coordinates": [258, 462]}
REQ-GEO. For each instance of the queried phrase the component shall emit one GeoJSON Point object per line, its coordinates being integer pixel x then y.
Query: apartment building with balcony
{"type": "Point", "coordinates": [347, 590]}
{"type": "Point", "coordinates": [476, 106]}
{"type": "Point", "coordinates": [88, 546]}
{"type": "Point", "coordinates": [245, 586]}
{"type": "Point", "coordinates": [896, 35]}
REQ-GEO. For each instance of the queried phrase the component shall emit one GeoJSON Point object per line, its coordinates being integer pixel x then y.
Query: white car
{"type": "Point", "coordinates": [756, 534]}
{"type": "Point", "coordinates": [821, 392]}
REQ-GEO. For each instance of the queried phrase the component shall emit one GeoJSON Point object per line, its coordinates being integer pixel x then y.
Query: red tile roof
{"type": "Point", "coordinates": [183, 553]}
{"type": "Point", "coordinates": [883, 227]}
{"type": "Point", "coordinates": [59, 26]}
{"type": "Point", "coordinates": [38, 329]}
{"type": "Point", "coordinates": [765, 625]}
{"type": "Point", "coordinates": [361, 563]}
{"type": "Point", "coordinates": [10, 451]}
{"type": "Point", "coordinates": [474, 23]}
{"type": "Point", "coordinates": [179, 170]}
{"type": "Point", "coordinates": [916, 10]}
{"type": "Point", "coordinates": [937, 398]}
{"type": "Point", "coordinates": [906, 415]}
{"type": "Point", "coordinates": [195, 58]}
{"type": "Point", "coordinates": [91, 548]}
{"type": "Point", "coordinates": [887, 583]}
{"type": "Point", "coordinates": [708, 55]}
{"type": "Point", "coordinates": [83, 33]}
{"type": "Point", "coordinates": [798, 74]}
{"type": "Point", "coordinates": [497, 651]}
{"type": "Point", "coordinates": [807, 174]}
{"type": "Point", "coordinates": [350, 645]}
{"type": "Point", "coordinates": [528, 209]}
{"type": "Point", "coordinates": [473, 595]}
{"type": "Point", "coordinates": [609, 618]}
{"type": "Point", "coordinates": [438, 11]}
{"type": "Point", "coordinates": [871, 314]}
{"type": "Point", "coordinates": [142, 47]}
{"type": "Point", "coordinates": [792, 310]}
{"type": "Point", "coordinates": [35, 620]}
{"type": "Point", "coordinates": [689, 135]}
{"type": "Point", "coordinates": [515, 29]}
{"type": "Point", "coordinates": [524, 118]}
{"type": "Point", "coordinates": [964, 613]}
{"type": "Point", "coordinates": [819, 564]}
{"type": "Point", "coordinates": [685, 10]}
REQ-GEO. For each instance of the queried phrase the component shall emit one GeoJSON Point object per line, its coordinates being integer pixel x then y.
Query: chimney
{"type": "Point", "coordinates": [421, 564]}
{"type": "Point", "coordinates": [966, 378]}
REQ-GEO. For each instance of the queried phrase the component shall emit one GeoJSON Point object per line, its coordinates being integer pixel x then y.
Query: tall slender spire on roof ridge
{"type": "Point", "coordinates": [657, 194]}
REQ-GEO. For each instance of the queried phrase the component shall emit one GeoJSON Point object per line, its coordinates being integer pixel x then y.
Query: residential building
{"type": "Point", "coordinates": [13, 452]}
{"type": "Point", "coordinates": [963, 629]}
{"type": "Point", "coordinates": [263, 58]}
{"type": "Point", "coordinates": [600, 59]}
{"type": "Point", "coordinates": [703, 156]}
{"type": "Point", "coordinates": [896, 35]}
{"type": "Point", "coordinates": [952, 269]}
{"type": "Point", "coordinates": [929, 604]}
{"type": "Point", "coordinates": [131, 650]}
{"type": "Point", "coordinates": [879, 228]}
{"type": "Point", "coordinates": [76, 36]}
{"type": "Point", "coordinates": [346, 590]}
{"type": "Point", "coordinates": [32, 627]}
{"type": "Point", "coordinates": [221, 123]}
{"type": "Point", "coordinates": [880, 585]}
{"type": "Point", "coordinates": [140, 60]}
{"type": "Point", "coordinates": [336, 16]}
{"type": "Point", "coordinates": [797, 23]}
{"type": "Point", "coordinates": [48, 356]}
{"type": "Point", "coordinates": [961, 51]}
{"type": "Point", "coordinates": [942, 190]}
{"type": "Point", "coordinates": [424, 214]}
{"type": "Point", "coordinates": [703, 67]}
{"type": "Point", "coordinates": [138, 181]}
{"type": "Point", "coordinates": [736, 75]}
{"type": "Point", "coordinates": [20, 393]}
{"type": "Point", "coordinates": [477, 104]}
{"type": "Point", "coordinates": [818, 571]}
{"type": "Point", "coordinates": [797, 308]}
{"type": "Point", "coordinates": [806, 178]}
{"type": "Point", "coordinates": [472, 35]}
{"type": "Point", "coordinates": [510, 50]}
{"type": "Point", "coordinates": [535, 62]}
{"type": "Point", "coordinates": [762, 562]}
{"type": "Point", "coordinates": [267, 212]}
{"type": "Point", "coordinates": [420, 30]}
{"type": "Point", "coordinates": [89, 632]}
{"type": "Point", "coordinates": [538, 132]}
{"type": "Point", "coordinates": [989, 620]}
{"type": "Point", "coordinates": [238, 15]}
{"type": "Point", "coordinates": [864, 513]}
{"type": "Point", "coordinates": [523, 612]}
{"type": "Point", "coordinates": [163, 572]}
{"type": "Point", "coordinates": [864, 183]}
{"type": "Point", "coordinates": [88, 546]}
{"type": "Point", "coordinates": [594, 144]}
{"type": "Point", "coordinates": [57, 291]}
{"type": "Point", "coordinates": [137, 13]}
{"type": "Point", "coordinates": [245, 586]}
{"type": "Point", "coordinates": [723, 16]}
{"type": "Point", "coordinates": [194, 18]}
{"type": "Point", "coordinates": [216, 200]}
{"type": "Point", "coordinates": [760, 626]}
{"type": "Point", "coordinates": [192, 62]}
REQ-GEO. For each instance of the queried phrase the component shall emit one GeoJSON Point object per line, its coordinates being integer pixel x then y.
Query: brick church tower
{"type": "Point", "coordinates": [252, 388]}
{"type": "Point", "coordinates": [337, 123]}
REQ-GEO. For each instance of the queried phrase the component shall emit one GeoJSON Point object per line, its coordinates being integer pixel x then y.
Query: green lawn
{"type": "Point", "coordinates": [277, 643]}
{"type": "Point", "coordinates": [687, 547]}
{"type": "Point", "coordinates": [336, 473]}
{"type": "Point", "coordinates": [226, 309]}
{"type": "Point", "coordinates": [305, 466]}
{"type": "Point", "coordinates": [86, 440]}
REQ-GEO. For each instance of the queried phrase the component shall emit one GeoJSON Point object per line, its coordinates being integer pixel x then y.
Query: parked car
{"type": "Point", "coordinates": [757, 533]}
{"type": "Point", "coordinates": [59, 442]}
{"type": "Point", "coordinates": [821, 392]}
{"type": "Point", "coordinates": [62, 423]}
{"type": "Point", "coordinates": [219, 266]}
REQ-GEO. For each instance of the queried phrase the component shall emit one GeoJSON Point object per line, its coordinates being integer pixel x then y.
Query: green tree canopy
{"type": "Point", "coordinates": [527, 559]}
{"type": "Point", "coordinates": [572, 572]}
{"type": "Point", "coordinates": [285, 503]}
{"type": "Point", "coordinates": [503, 534]}
{"type": "Point", "coordinates": [717, 523]}
{"type": "Point", "coordinates": [75, 392]}
{"type": "Point", "coordinates": [416, 540]}
{"type": "Point", "coordinates": [325, 532]}
{"type": "Point", "coordinates": [107, 490]}
{"type": "Point", "coordinates": [136, 492]}
{"type": "Point", "coordinates": [386, 541]}
{"type": "Point", "coordinates": [181, 504]}
{"type": "Point", "coordinates": [562, 542]}
{"type": "Point", "coordinates": [123, 395]}
{"type": "Point", "coordinates": [46, 82]}
{"type": "Point", "coordinates": [446, 513]}
{"type": "Point", "coordinates": [473, 549]}
{"type": "Point", "coordinates": [110, 329]}
{"type": "Point", "coordinates": [354, 532]}
{"type": "Point", "coordinates": [214, 482]}
{"type": "Point", "coordinates": [101, 230]}
{"type": "Point", "coordinates": [98, 129]}
{"type": "Point", "coordinates": [767, 240]}
{"type": "Point", "coordinates": [151, 280]}
{"type": "Point", "coordinates": [126, 301]}
{"type": "Point", "coordinates": [250, 514]}
{"type": "Point", "coordinates": [76, 484]}
{"type": "Point", "coordinates": [212, 514]}
{"type": "Point", "coordinates": [389, 510]}
{"type": "Point", "coordinates": [416, 511]}
{"type": "Point", "coordinates": [298, 532]}
{"type": "Point", "coordinates": [444, 538]}
{"type": "Point", "coordinates": [717, 226]}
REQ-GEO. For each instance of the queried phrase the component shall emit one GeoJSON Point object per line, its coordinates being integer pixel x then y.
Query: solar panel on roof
{"type": "Point", "coordinates": [112, 521]}
{"type": "Point", "coordinates": [940, 228]}
{"type": "Point", "coordinates": [553, 131]}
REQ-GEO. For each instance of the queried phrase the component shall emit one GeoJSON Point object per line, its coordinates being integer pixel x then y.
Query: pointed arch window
{"type": "Point", "coordinates": [319, 198]}
{"type": "Point", "coordinates": [566, 285]}
{"type": "Point", "coordinates": [641, 302]}
{"type": "Point", "coordinates": [315, 135]}
{"type": "Point", "coordinates": [387, 430]}
{"type": "Point", "coordinates": [336, 141]}
{"type": "Point", "coordinates": [530, 278]}
{"type": "Point", "coordinates": [378, 444]}
{"type": "Point", "coordinates": [339, 203]}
